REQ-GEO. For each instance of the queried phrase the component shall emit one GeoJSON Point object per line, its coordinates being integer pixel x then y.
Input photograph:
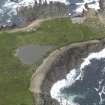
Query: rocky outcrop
{"type": "Point", "coordinates": [57, 65]}
{"type": "Point", "coordinates": [42, 11]}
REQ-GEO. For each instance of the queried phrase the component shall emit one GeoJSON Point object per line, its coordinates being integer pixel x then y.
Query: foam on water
{"type": "Point", "coordinates": [78, 6]}
{"type": "Point", "coordinates": [9, 8]}
{"type": "Point", "coordinates": [85, 85]}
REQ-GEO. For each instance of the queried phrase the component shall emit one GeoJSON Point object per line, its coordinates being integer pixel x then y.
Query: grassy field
{"type": "Point", "coordinates": [14, 76]}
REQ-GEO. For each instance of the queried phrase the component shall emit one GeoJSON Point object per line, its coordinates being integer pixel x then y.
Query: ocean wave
{"type": "Point", "coordinates": [9, 8]}
{"type": "Point", "coordinates": [78, 6]}
{"type": "Point", "coordinates": [85, 85]}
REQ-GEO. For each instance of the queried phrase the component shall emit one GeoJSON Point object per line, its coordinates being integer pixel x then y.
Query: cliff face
{"type": "Point", "coordinates": [57, 65]}
{"type": "Point", "coordinates": [102, 5]}
{"type": "Point", "coordinates": [40, 11]}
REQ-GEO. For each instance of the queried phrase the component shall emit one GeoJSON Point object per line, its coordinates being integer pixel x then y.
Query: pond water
{"type": "Point", "coordinates": [30, 54]}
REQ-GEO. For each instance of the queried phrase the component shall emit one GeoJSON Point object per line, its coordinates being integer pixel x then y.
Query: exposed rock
{"type": "Point", "coordinates": [57, 65]}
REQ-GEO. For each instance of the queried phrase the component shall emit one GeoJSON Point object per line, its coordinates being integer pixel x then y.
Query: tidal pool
{"type": "Point", "coordinates": [30, 54]}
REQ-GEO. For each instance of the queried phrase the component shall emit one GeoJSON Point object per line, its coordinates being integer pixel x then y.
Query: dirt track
{"type": "Point", "coordinates": [35, 23]}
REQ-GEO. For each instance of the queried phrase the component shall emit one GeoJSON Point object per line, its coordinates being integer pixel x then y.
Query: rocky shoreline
{"type": "Point", "coordinates": [48, 10]}
{"type": "Point", "coordinates": [57, 65]}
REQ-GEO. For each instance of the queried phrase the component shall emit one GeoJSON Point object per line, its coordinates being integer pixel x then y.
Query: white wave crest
{"type": "Point", "coordinates": [75, 75]}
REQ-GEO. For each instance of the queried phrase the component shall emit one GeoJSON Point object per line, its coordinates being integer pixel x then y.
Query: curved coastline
{"type": "Point", "coordinates": [57, 65]}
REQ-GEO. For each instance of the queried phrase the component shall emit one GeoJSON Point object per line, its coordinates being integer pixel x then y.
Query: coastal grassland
{"type": "Point", "coordinates": [15, 76]}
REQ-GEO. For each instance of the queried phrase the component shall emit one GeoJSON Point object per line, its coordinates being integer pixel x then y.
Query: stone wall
{"type": "Point", "coordinates": [56, 66]}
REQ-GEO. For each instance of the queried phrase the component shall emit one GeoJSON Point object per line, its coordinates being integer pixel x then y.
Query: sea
{"type": "Point", "coordinates": [9, 8]}
{"type": "Point", "coordinates": [84, 85]}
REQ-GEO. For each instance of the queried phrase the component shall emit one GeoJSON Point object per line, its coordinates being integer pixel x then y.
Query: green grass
{"type": "Point", "coordinates": [14, 76]}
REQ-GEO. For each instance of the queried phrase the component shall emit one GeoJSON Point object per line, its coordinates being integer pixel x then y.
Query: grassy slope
{"type": "Point", "coordinates": [15, 77]}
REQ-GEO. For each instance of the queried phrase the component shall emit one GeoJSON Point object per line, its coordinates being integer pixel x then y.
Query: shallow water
{"type": "Point", "coordinates": [30, 54]}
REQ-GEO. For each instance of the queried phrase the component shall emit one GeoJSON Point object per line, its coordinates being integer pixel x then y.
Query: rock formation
{"type": "Point", "coordinates": [57, 65]}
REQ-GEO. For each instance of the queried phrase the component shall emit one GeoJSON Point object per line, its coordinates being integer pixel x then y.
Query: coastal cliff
{"type": "Point", "coordinates": [57, 65]}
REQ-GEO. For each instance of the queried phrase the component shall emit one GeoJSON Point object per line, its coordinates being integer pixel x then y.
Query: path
{"type": "Point", "coordinates": [35, 23]}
